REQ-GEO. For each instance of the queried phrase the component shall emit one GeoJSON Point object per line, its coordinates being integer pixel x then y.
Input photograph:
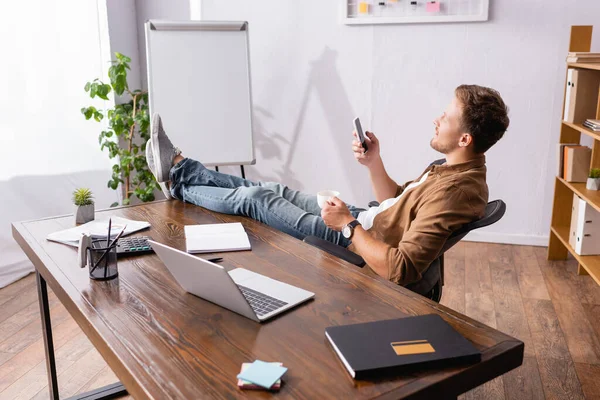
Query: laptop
{"type": "Point", "coordinates": [247, 293]}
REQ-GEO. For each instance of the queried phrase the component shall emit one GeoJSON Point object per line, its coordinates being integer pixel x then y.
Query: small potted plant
{"type": "Point", "coordinates": [593, 181]}
{"type": "Point", "coordinates": [84, 205]}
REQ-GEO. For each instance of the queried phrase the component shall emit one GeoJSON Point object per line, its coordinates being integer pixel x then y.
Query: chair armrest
{"type": "Point", "coordinates": [336, 250]}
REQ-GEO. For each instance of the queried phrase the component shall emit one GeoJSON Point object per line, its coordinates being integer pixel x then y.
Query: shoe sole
{"type": "Point", "coordinates": [154, 138]}
{"type": "Point", "coordinates": [163, 187]}
{"type": "Point", "coordinates": [165, 190]}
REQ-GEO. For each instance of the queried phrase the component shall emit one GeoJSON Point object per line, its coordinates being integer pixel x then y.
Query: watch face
{"type": "Point", "coordinates": [346, 231]}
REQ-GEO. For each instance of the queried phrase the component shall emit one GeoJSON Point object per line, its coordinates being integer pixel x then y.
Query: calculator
{"type": "Point", "coordinates": [130, 245]}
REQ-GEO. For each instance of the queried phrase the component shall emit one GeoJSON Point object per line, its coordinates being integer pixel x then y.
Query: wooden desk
{"type": "Point", "coordinates": [164, 343]}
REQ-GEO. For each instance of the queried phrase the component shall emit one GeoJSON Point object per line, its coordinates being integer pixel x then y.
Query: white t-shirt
{"type": "Point", "coordinates": [366, 218]}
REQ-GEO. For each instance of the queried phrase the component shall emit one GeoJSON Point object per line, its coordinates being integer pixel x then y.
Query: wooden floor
{"type": "Point", "coordinates": [511, 288]}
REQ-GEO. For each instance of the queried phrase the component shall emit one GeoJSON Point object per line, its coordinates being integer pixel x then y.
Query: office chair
{"type": "Point", "coordinates": [432, 280]}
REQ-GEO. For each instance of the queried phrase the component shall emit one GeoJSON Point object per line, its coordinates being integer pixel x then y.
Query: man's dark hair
{"type": "Point", "coordinates": [484, 115]}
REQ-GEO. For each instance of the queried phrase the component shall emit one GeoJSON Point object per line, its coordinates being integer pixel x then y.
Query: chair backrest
{"type": "Point", "coordinates": [493, 212]}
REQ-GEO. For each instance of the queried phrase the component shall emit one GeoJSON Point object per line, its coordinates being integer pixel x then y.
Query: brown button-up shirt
{"type": "Point", "coordinates": [417, 226]}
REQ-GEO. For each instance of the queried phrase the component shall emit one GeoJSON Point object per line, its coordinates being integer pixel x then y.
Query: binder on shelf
{"type": "Point", "coordinates": [581, 97]}
{"type": "Point", "coordinates": [573, 225]}
{"type": "Point", "coordinates": [576, 164]}
{"type": "Point", "coordinates": [568, 94]}
{"type": "Point", "coordinates": [584, 232]}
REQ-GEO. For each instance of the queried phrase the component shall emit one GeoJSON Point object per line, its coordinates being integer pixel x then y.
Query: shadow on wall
{"type": "Point", "coordinates": [324, 80]}
{"type": "Point", "coordinates": [32, 197]}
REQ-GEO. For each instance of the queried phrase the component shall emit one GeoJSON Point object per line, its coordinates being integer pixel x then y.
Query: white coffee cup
{"type": "Point", "coordinates": [325, 195]}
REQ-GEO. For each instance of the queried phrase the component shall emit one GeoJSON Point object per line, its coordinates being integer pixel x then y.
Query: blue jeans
{"type": "Point", "coordinates": [276, 205]}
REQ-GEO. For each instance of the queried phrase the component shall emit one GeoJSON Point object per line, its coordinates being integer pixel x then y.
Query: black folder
{"type": "Point", "coordinates": [400, 345]}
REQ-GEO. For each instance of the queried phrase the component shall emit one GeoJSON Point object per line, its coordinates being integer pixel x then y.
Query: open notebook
{"type": "Point", "coordinates": [209, 238]}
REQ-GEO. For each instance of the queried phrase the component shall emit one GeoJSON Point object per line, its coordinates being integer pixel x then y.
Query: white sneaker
{"type": "Point", "coordinates": [152, 167]}
{"type": "Point", "coordinates": [162, 150]}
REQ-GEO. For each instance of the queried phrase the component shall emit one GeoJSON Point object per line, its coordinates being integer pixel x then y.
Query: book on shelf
{"type": "Point", "coordinates": [582, 54]}
{"type": "Point", "coordinates": [560, 156]}
{"type": "Point", "coordinates": [583, 57]}
{"type": "Point", "coordinates": [595, 122]}
{"type": "Point", "coordinates": [576, 161]}
{"type": "Point", "coordinates": [592, 124]}
{"type": "Point", "coordinates": [579, 60]}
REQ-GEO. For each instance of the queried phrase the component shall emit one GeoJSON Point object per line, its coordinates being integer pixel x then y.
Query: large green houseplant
{"type": "Point", "coordinates": [127, 132]}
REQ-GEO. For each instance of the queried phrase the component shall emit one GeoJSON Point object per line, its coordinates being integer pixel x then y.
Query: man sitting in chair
{"type": "Point", "coordinates": [401, 237]}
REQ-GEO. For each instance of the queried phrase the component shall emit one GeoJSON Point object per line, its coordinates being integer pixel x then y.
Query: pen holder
{"type": "Point", "coordinates": [102, 261]}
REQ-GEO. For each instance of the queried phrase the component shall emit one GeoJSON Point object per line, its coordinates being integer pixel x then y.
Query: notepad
{"type": "Point", "coordinates": [263, 373]}
{"type": "Point", "coordinates": [242, 384]}
{"type": "Point", "coordinates": [209, 238]}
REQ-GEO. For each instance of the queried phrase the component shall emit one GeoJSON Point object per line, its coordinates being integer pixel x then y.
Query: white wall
{"type": "Point", "coordinates": [47, 148]}
{"type": "Point", "coordinates": [122, 32]}
{"type": "Point", "coordinates": [311, 75]}
{"type": "Point", "coordinates": [156, 9]}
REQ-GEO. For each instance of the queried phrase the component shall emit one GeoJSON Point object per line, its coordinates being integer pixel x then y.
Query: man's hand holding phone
{"type": "Point", "coordinates": [365, 157]}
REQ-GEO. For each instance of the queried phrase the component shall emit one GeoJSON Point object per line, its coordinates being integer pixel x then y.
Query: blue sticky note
{"type": "Point", "coordinates": [262, 373]}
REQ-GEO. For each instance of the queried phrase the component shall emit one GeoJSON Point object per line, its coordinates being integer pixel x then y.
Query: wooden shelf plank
{"type": "Point", "coordinates": [583, 129]}
{"type": "Point", "coordinates": [585, 66]}
{"type": "Point", "coordinates": [590, 263]}
{"type": "Point", "coordinates": [591, 196]}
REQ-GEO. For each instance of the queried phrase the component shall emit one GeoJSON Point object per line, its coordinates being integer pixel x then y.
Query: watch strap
{"type": "Point", "coordinates": [353, 224]}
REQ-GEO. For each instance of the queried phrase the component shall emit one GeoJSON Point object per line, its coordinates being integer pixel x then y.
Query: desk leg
{"type": "Point", "coordinates": [107, 392]}
{"type": "Point", "coordinates": [47, 331]}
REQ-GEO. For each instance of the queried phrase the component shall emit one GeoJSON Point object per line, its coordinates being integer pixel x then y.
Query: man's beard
{"type": "Point", "coordinates": [441, 148]}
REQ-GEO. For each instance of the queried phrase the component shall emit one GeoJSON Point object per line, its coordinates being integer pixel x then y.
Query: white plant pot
{"type": "Point", "coordinates": [593, 184]}
{"type": "Point", "coordinates": [84, 214]}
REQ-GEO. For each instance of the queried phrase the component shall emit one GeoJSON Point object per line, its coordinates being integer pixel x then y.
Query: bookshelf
{"type": "Point", "coordinates": [558, 246]}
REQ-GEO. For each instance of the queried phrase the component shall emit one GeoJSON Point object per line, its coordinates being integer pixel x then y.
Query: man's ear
{"type": "Point", "coordinates": [465, 140]}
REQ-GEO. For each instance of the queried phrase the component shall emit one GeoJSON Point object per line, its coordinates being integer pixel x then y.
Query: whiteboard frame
{"type": "Point", "coordinates": [371, 20]}
{"type": "Point", "coordinates": [158, 25]}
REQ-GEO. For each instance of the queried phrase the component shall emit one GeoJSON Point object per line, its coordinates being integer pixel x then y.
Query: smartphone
{"type": "Point", "coordinates": [360, 133]}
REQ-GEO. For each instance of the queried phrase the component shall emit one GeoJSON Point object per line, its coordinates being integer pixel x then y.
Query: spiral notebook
{"type": "Point", "coordinates": [212, 238]}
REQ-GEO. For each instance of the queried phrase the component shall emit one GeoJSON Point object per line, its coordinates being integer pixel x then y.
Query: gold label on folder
{"type": "Point", "coordinates": [412, 347]}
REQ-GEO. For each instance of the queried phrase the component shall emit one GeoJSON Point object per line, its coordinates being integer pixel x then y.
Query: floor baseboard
{"type": "Point", "coordinates": [507, 238]}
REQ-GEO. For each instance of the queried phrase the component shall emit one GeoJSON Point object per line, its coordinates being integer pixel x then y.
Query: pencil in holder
{"type": "Point", "coordinates": [102, 261]}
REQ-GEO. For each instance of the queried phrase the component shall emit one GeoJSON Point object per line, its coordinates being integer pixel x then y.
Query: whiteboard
{"type": "Point", "coordinates": [367, 12]}
{"type": "Point", "coordinates": [199, 84]}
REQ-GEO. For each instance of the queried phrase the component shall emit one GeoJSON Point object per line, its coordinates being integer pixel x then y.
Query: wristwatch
{"type": "Point", "coordinates": [348, 230]}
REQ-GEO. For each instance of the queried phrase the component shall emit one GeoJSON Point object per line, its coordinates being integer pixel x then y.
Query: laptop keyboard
{"type": "Point", "coordinates": [260, 302]}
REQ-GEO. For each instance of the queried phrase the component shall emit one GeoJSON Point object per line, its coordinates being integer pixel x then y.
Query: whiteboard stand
{"type": "Point", "coordinates": [412, 12]}
{"type": "Point", "coordinates": [199, 83]}
{"type": "Point", "coordinates": [241, 169]}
